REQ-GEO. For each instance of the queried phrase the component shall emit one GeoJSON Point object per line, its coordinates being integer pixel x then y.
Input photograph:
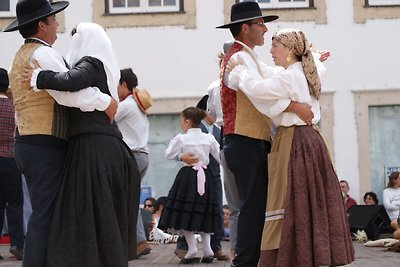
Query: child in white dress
{"type": "Point", "coordinates": [191, 207]}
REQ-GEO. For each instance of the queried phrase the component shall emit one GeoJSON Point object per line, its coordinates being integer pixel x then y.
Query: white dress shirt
{"type": "Point", "coordinates": [214, 107]}
{"type": "Point", "coordinates": [272, 95]}
{"type": "Point", "coordinates": [133, 124]}
{"type": "Point", "coordinates": [194, 142]}
{"type": "Point", "coordinates": [87, 99]}
{"type": "Point", "coordinates": [248, 58]}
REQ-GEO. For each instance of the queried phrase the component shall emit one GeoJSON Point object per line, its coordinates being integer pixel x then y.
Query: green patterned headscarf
{"type": "Point", "coordinates": [296, 41]}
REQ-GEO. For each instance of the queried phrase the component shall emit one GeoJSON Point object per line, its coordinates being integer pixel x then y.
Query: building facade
{"type": "Point", "coordinates": [172, 46]}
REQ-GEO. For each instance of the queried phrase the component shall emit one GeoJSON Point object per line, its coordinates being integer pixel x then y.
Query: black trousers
{"type": "Point", "coordinates": [11, 200]}
{"type": "Point", "coordinates": [42, 166]}
{"type": "Point", "coordinates": [247, 159]}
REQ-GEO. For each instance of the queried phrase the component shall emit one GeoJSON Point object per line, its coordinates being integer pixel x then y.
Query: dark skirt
{"type": "Point", "coordinates": [94, 222]}
{"type": "Point", "coordinates": [186, 209]}
{"type": "Point", "coordinates": [315, 230]}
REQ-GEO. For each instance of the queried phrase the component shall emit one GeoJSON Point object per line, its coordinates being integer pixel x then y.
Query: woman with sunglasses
{"type": "Point", "coordinates": [391, 196]}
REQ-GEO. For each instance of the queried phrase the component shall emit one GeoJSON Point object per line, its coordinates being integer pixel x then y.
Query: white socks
{"type": "Point", "coordinates": [192, 248]}
{"type": "Point", "coordinates": [206, 237]}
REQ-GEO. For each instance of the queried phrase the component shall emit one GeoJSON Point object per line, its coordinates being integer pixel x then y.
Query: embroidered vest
{"type": "Point", "coordinates": [239, 114]}
{"type": "Point", "coordinates": [37, 112]}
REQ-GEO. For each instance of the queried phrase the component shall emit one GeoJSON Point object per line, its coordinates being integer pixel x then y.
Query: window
{"type": "Point", "coordinates": [283, 3]}
{"type": "Point", "coordinates": [143, 6]}
{"type": "Point", "coordinates": [109, 15]}
{"type": "Point", "coordinates": [382, 2]}
{"type": "Point", "coordinates": [375, 9]}
{"type": "Point", "coordinates": [377, 115]}
{"type": "Point", "coordinates": [7, 8]}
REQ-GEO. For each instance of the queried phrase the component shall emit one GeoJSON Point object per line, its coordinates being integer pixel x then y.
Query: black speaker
{"type": "Point", "coordinates": [373, 219]}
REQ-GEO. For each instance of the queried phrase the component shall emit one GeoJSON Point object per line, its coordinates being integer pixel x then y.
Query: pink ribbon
{"type": "Point", "coordinates": [201, 177]}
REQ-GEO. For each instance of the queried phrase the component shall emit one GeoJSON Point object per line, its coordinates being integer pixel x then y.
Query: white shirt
{"type": "Point", "coordinates": [214, 107]}
{"type": "Point", "coordinates": [391, 202]}
{"type": "Point", "coordinates": [87, 99]}
{"type": "Point", "coordinates": [248, 58]}
{"type": "Point", "coordinates": [194, 142]}
{"type": "Point", "coordinates": [272, 95]}
{"type": "Point", "coordinates": [133, 124]}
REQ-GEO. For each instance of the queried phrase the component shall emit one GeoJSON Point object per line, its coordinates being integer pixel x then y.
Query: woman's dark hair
{"type": "Point", "coordinates": [195, 115]}
{"type": "Point", "coordinates": [160, 201]}
{"type": "Point", "coordinates": [129, 78]}
{"type": "Point", "coordinates": [393, 176]}
{"type": "Point", "coordinates": [31, 29]}
{"type": "Point", "coordinates": [372, 195]}
{"type": "Point", "coordinates": [151, 199]}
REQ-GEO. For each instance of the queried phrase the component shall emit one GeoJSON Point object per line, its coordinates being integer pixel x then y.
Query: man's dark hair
{"type": "Point", "coordinates": [31, 29]}
{"type": "Point", "coordinates": [4, 82]}
{"type": "Point", "coordinates": [235, 29]}
{"type": "Point", "coordinates": [129, 78]}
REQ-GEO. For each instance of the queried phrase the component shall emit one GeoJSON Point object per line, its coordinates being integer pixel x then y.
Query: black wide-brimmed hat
{"type": "Point", "coordinates": [244, 11]}
{"type": "Point", "coordinates": [31, 10]}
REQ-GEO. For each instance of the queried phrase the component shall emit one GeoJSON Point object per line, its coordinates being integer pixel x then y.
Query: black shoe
{"type": "Point", "coordinates": [17, 252]}
{"type": "Point", "coordinates": [190, 260]}
{"type": "Point", "coordinates": [1, 257]}
{"type": "Point", "coordinates": [207, 259]}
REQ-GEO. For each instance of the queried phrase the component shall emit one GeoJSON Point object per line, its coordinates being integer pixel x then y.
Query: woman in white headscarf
{"type": "Point", "coordinates": [306, 223]}
{"type": "Point", "coordinates": [95, 217]}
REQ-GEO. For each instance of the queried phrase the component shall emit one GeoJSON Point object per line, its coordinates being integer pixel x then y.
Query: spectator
{"type": "Point", "coordinates": [348, 201]}
{"type": "Point", "coordinates": [149, 204]}
{"type": "Point", "coordinates": [157, 235]}
{"type": "Point", "coordinates": [391, 196]}
{"type": "Point", "coordinates": [147, 214]}
{"type": "Point", "coordinates": [370, 198]}
{"type": "Point", "coordinates": [227, 213]}
{"type": "Point", "coordinates": [11, 197]}
{"type": "Point", "coordinates": [158, 209]}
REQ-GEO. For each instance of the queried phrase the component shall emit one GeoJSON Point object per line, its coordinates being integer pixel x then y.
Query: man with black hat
{"type": "Point", "coordinates": [247, 131]}
{"type": "Point", "coordinates": [40, 142]}
{"type": "Point", "coordinates": [11, 196]}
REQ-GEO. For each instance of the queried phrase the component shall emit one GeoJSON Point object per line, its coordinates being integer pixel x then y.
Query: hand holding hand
{"type": "Point", "coordinates": [27, 72]}
{"type": "Point", "coordinates": [189, 158]}
{"type": "Point", "coordinates": [302, 110]}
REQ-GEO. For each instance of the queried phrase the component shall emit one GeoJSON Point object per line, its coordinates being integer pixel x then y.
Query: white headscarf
{"type": "Point", "coordinates": [90, 39]}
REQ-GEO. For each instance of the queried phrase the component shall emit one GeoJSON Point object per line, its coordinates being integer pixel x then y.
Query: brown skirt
{"type": "Point", "coordinates": [315, 229]}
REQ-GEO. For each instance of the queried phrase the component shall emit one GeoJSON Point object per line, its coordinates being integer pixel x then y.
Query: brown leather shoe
{"type": "Point", "coordinates": [221, 256]}
{"type": "Point", "coordinates": [180, 253]}
{"type": "Point", "coordinates": [142, 248]}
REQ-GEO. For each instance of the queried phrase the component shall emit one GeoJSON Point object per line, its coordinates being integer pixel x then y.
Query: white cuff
{"type": "Point", "coordinates": [35, 73]}
{"type": "Point", "coordinates": [104, 102]}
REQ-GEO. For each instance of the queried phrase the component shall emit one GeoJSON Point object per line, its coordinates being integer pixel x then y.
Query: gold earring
{"type": "Point", "coordinates": [288, 58]}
